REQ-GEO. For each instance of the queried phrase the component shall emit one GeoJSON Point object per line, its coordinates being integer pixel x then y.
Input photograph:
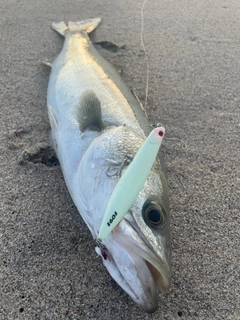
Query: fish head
{"type": "Point", "coordinates": [137, 253]}
{"type": "Point", "coordinates": [144, 235]}
{"type": "Point", "coordinates": [149, 218]}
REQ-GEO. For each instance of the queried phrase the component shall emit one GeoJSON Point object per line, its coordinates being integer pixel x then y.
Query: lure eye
{"type": "Point", "coordinates": [153, 214]}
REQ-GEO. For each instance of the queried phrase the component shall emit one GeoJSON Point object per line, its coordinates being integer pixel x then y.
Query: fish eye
{"type": "Point", "coordinates": [153, 213]}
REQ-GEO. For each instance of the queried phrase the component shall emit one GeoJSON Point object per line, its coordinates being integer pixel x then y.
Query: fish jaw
{"type": "Point", "coordinates": [131, 273]}
{"type": "Point", "coordinates": [157, 259]}
{"type": "Point", "coordinates": [134, 266]}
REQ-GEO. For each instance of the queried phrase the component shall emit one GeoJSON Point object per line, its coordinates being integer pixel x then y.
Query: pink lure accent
{"type": "Point", "coordinates": [160, 132]}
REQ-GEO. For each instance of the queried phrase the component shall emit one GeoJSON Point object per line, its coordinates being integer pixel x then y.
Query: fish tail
{"type": "Point", "coordinates": [87, 25]}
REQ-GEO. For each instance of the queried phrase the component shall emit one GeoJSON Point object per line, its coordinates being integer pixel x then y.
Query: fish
{"type": "Point", "coordinates": [97, 126]}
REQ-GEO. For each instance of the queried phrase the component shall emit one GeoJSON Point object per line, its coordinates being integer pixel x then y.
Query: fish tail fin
{"type": "Point", "coordinates": [87, 25]}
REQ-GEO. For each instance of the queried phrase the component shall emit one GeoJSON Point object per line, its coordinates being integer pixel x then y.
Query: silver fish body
{"type": "Point", "coordinates": [96, 122]}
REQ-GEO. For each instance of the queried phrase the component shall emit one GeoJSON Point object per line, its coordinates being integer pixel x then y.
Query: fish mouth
{"type": "Point", "coordinates": [161, 278]}
{"type": "Point", "coordinates": [158, 265]}
{"type": "Point", "coordinates": [143, 271]}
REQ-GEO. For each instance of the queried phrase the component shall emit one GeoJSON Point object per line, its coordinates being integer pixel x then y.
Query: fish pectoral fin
{"type": "Point", "coordinates": [54, 127]}
{"type": "Point", "coordinates": [89, 113]}
{"type": "Point", "coordinates": [52, 119]}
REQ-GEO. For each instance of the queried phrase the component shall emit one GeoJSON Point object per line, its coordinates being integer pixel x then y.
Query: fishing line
{"type": "Point", "coordinates": [147, 67]}
{"type": "Point", "coordinates": [145, 52]}
{"type": "Point", "coordinates": [177, 139]}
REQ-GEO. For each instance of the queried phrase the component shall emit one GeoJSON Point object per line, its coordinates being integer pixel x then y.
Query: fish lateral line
{"type": "Point", "coordinates": [125, 193]}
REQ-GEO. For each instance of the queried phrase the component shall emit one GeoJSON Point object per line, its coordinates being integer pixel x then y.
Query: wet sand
{"type": "Point", "coordinates": [48, 266]}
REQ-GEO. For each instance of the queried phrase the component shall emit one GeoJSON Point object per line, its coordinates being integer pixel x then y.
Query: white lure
{"type": "Point", "coordinates": [131, 182]}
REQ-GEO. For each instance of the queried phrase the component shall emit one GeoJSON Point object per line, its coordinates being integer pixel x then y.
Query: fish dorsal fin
{"type": "Point", "coordinates": [89, 112]}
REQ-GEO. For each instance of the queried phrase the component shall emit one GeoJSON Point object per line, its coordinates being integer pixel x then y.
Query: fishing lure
{"type": "Point", "coordinates": [131, 182]}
